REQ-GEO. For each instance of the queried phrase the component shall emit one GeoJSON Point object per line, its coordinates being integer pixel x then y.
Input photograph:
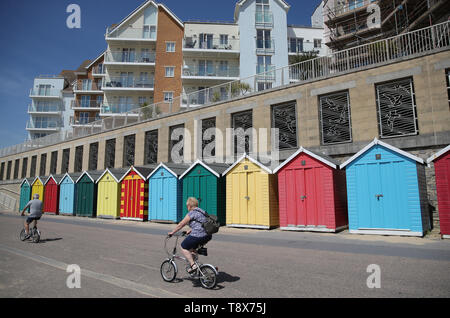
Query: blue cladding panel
{"type": "Point", "coordinates": [383, 193]}
{"type": "Point", "coordinates": [67, 197]}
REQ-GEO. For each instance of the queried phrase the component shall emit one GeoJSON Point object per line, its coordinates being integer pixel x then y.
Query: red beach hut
{"type": "Point", "coordinates": [312, 193]}
{"type": "Point", "coordinates": [442, 172]}
{"type": "Point", "coordinates": [51, 195]}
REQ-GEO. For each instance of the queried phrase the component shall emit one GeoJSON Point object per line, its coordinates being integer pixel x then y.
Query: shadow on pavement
{"type": "Point", "coordinates": [50, 240]}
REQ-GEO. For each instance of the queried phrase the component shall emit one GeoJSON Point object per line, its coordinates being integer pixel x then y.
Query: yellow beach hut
{"type": "Point", "coordinates": [37, 187]}
{"type": "Point", "coordinates": [108, 193]}
{"type": "Point", "coordinates": [252, 196]}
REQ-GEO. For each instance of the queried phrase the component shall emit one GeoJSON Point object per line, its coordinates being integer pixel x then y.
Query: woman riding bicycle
{"type": "Point", "coordinates": [196, 235]}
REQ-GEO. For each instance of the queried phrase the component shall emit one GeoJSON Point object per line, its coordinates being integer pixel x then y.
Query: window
{"type": "Point", "coordinates": [242, 123]}
{"type": "Point", "coordinates": [87, 85]}
{"type": "Point", "coordinates": [151, 147]}
{"type": "Point", "coordinates": [83, 118]}
{"type": "Point", "coordinates": [44, 90]}
{"type": "Point", "coordinates": [317, 43]}
{"type": "Point", "coordinates": [142, 100]}
{"type": "Point", "coordinates": [53, 162]}
{"type": "Point", "coordinates": [224, 39]}
{"type": "Point", "coordinates": [263, 39]}
{"type": "Point", "coordinates": [24, 168]}
{"type": "Point", "coordinates": [223, 68]}
{"type": "Point", "coordinates": [397, 114]}
{"type": "Point", "coordinates": [170, 71]}
{"type": "Point", "coordinates": [85, 101]}
{"type": "Point", "coordinates": [2, 171]}
{"type": "Point", "coordinates": [208, 138]}
{"type": "Point", "coordinates": [168, 97]}
{"type": "Point", "coordinates": [43, 165]}
{"type": "Point", "coordinates": [206, 41]}
{"type": "Point", "coordinates": [335, 124]}
{"type": "Point", "coordinates": [33, 167]}
{"type": "Point", "coordinates": [128, 150]}
{"type": "Point", "coordinates": [78, 159]}
{"type": "Point", "coordinates": [110, 153]}
{"type": "Point", "coordinates": [205, 68]}
{"type": "Point", "coordinates": [170, 47]}
{"type": "Point", "coordinates": [65, 161]}
{"type": "Point", "coordinates": [295, 45]}
{"type": "Point", "coordinates": [284, 118]}
{"type": "Point", "coordinates": [176, 143]}
{"type": "Point", "coordinates": [16, 169]}
{"type": "Point", "coordinates": [8, 170]}
{"type": "Point", "coordinates": [93, 156]}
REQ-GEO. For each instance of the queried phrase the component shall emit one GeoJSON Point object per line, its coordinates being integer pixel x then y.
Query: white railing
{"type": "Point", "coordinates": [114, 109]}
{"type": "Point", "coordinates": [195, 70]}
{"type": "Point", "coordinates": [128, 82]}
{"type": "Point", "coordinates": [214, 43]}
{"type": "Point", "coordinates": [127, 33]}
{"type": "Point", "coordinates": [348, 6]}
{"type": "Point", "coordinates": [85, 105]}
{"type": "Point", "coordinates": [49, 108]}
{"type": "Point", "coordinates": [409, 45]}
{"type": "Point", "coordinates": [39, 92]}
{"type": "Point", "coordinates": [130, 57]}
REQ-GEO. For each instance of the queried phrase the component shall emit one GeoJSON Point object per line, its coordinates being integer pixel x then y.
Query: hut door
{"type": "Point", "coordinates": [24, 196]}
{"type": "Point", "coordinates": [251, 199]}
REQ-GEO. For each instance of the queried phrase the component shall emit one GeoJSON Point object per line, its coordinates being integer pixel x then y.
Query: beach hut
{"type": "Point", "coordinates": [37, 187]}
{"type": "Point", "coordinates": [108, 193]}
{"type": "Point", "coordinates": [251, 196]}
{"type": "Point", "coordinates": [204, 182]}
{"type": "Point", "coordinates": [134, 195]}
{"type": "Point", "coordinates": [312, 193]}
{"type": "Point", "coordinates": [86, 194]}
{"type": "Point", "coordinates": [442, 172]}
{"type": "Point", "coordinates": [25, 192]}
{"type": "Point", "coordinates": [386, 191]}
{"type": "Point", "coordinates": [165, 193]}
{"type": "Point", "coordinates": [51, 195]}
{"type": "Point", "coordinates": [67, 192]}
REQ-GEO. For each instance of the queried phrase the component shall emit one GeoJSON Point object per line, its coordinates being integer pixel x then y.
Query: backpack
{"type": "Point", "coordinates": [211, 225]}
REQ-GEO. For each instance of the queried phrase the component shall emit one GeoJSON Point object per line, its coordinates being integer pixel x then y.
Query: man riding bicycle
{"type": "Point", "coordinates": [196, 235]}
{"type": "Point", "coordinates": [35, 207]}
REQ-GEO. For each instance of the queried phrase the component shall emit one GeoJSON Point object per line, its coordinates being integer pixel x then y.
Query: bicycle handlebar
{"type": "Point", "coordinates": [177, 234]}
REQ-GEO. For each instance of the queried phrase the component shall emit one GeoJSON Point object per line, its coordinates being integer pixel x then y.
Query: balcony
{"type": "Point", "coordinates": [192, 46]}
{"type": "Point", "coordinates": [92, 105]}
{"type": "Point", "coordinates": [43, 126]}
{"type": "Point", "coordinates": [343, 9]}
{"type": "Point", "coordinates": [265, 46]}
{"type": "Point", "coordinates": [81, 122]}
{"type": "Point", "coordinates": [206, 72]}
{"type": "Point", "coordinates": [144, 34]}
{"type": "Point", "coordinates": [264, 19]}
{"type": "Point", "coordinates": [49, 109]}
{"type": "Point", "coordinates": [98, 71]}
{"type": "Point", "coordinates": [265, 73]}
{"type": "Point", "coordinates": [45, 93]}
{"type": "Point", "coordinates": [128, 84]}
{"type": "Point", "coordinates": [130, 58]}
{"type": "Point", "coordinates": [88, 87]}
{"type": "Point", "coordinates": [119, 110]}
{"type": "Point", "coordinates": [301, 48]}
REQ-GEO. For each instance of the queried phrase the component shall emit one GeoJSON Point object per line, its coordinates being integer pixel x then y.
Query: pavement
{"type": "Point", "coordinates": [121, 259]}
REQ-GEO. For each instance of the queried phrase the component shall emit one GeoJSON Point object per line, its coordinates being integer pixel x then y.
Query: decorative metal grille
{"type": "Point", "coordinates": [78, 159]}
{"type": "Point", "coordinates": [172, 143]}
{"type": "Point", "coordinates": [335, 120]}
{"type": "Point", "coordinates": [24, 168]}
{"type": "Point", "coordinates": [207, 124]}
{"type": "Point", "coordinates": [242, 140]}
{"type": "Point", "coordinates": [284, 118]}
{"type": "Point", "coordinates": [53, 162]}
{"type": "Point", "coordinates": [33, 166]}
{"type": "Point", "coordinates": [93, 156]}
{"type": "Point", "coordinates": [65, 161]}
{"type": "Point", "coordinates": [128, 150]}
{"type": "Point", "coordinates": [110, 153]}
{"type": "Point", "coordinates": [2, 171]}
{"type": "Point", "coordinates": [16, 169]}
{"type": "Point", "coordinates": [43, 165]}
{"type": "Point", "coordinates": [8, 170]}
{"type": "Point", "coordinates": [397, 108]}
{"type": "Point", "coordinates": [151, 147]}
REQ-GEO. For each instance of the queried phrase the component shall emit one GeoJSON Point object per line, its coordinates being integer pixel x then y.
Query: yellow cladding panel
{"type": "Point", "coordinates": [108, 203]}
{"type": "Point", "coordinates": [38, 188]}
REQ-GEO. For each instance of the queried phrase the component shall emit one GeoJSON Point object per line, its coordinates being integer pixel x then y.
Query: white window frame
{"type": "Point", "coordinates": [171, 73]}
{"type": "Point", "coordinates": [168, 94]}
{"type": "Point", "coordinates": [170, 47]}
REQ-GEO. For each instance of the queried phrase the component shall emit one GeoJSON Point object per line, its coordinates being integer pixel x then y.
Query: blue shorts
{"type": "Point", "coordinates": [192, 242]}
{"type": "Point", "coordinates": [31, 219]}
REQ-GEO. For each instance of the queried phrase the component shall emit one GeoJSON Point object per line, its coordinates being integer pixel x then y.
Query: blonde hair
{"type": "Point", "coordinates": [193, 202]}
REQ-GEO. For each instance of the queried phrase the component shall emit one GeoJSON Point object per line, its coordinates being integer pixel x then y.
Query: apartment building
{"type": "Point", "coordinates": [349, 23]}
{"type": "Point", "coordinates": [49, 110]}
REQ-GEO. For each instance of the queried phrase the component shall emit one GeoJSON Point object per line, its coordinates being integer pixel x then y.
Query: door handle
{"type": "Point", "coordinates": [303, 197]}
{"type": "Point", "coordinates": [247, 198]}
{"type": "Point", "coordinates": [160, 199]}
{"type": "Point", "coordinates": [378, 196]}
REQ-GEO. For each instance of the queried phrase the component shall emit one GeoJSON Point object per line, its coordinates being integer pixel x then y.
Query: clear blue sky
{"type": "Point", "coordinates": [36, 41]}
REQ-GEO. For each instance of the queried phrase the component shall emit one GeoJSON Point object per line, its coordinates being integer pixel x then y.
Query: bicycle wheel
{"type": "Point", "coordinates": [36, 236]}
{"type": "Point", "coordinates": [168, 271]}
{"type": "Point", "coordinates": [23, 235]}
{"type": "Point", "coordinates": [208, 277]}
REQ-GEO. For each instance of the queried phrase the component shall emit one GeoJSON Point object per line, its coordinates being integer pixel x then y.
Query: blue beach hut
{"type": "Point", "coordinates": [67, 193]}
{"type": "Point", "coordinates": [166, 193]}
{"type": "Point", "coordinates": [386, 190]}
{"type": "Point", "coordinates": [25, 192]}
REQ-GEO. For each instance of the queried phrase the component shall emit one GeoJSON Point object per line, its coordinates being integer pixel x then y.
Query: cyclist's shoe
{"type": "Point", "coordinates": [27, 236]}
{"type": "Point", "coordinates": [192, 269]}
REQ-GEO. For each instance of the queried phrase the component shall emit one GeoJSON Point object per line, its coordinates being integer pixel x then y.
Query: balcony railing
{"type": "Point", "coordinates": [52, 92]}
{"type": "Point", "coordinates": [98, 70]}
{"type": "Point", "coordinates": [146, 33]}
{"type": "Point", "coordinates": [127, 57]}
{"type": "Point", "coordinates": [265, 46]}
{"type": "Point", "coordinates": [115, 109]}
{"type": "Point", "coordinates": [263, 19]}
{"type": "Point", "coordinates": [211, 44]}
{"type": "Point", "coordinates": [128, 82]}
{"type": "Point", "coordinates": [211, 71]}
{"type": "Point", "coordinates": [265, 72]}
{"type": "Point", "coordinates": [74, 121]}
{"type": "Point", "coordinates": [302, 48]}
{"type": "Point", "coordinates": [348, 6]}
{"type": "Point", "coordinates": [88, 87]}
{"type": "Point", "coordinates": [399, 48]}
{"type": "Point", "coordinates": [86, 105]}
{"type": "Point", "coordinates": [49, 125]}
{"type": "Point", "coordinates": [46, 109]}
